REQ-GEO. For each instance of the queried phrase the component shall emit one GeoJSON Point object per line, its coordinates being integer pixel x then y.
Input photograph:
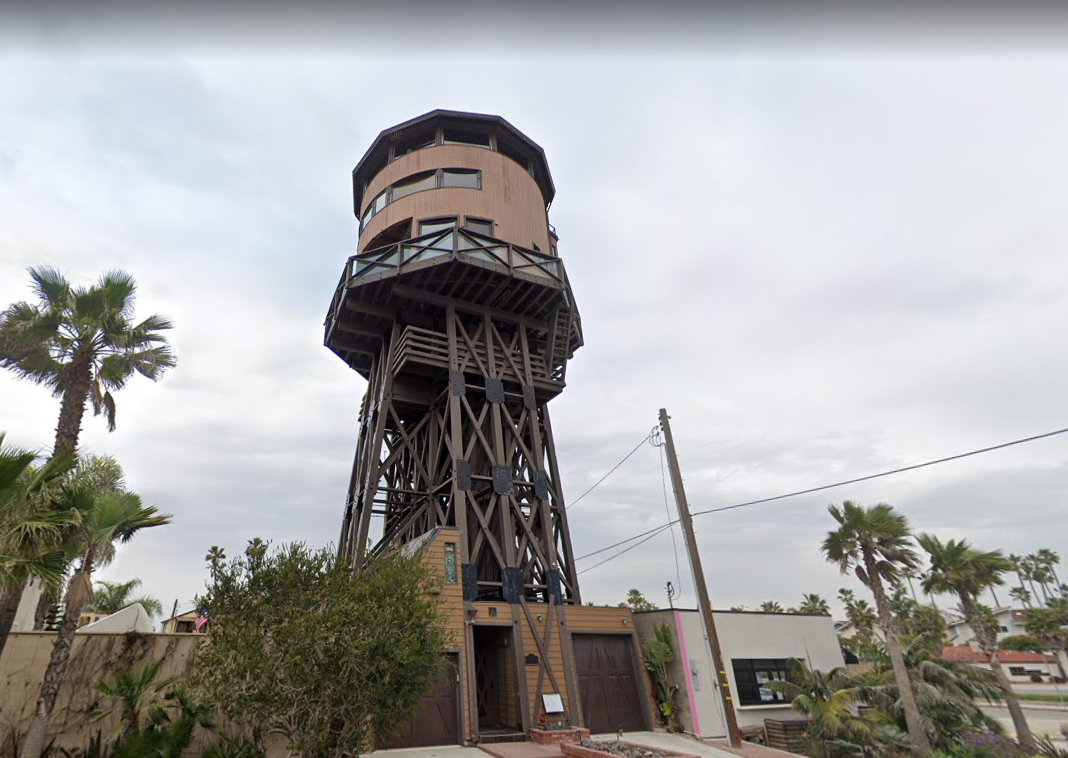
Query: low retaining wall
{"type": "Point", "coordinates": [95, 657]}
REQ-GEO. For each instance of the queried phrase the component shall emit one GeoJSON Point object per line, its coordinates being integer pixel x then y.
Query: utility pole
{"type": "Point", "coordinates": [734, 737]}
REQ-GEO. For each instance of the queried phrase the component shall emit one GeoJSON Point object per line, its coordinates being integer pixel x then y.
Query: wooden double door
{"type": "Point", "coordinates": [437, 720]}
{"type": "Point", "coordinates": [609, 682]}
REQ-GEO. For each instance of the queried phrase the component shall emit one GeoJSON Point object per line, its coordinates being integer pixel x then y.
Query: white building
{"type": "Point", "coordinates": [1010, 621]}
{"type": "Point", "coordinates": [756, 648]}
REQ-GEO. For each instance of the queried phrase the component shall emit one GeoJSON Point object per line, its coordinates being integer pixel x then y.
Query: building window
{"type": "Point", "coordinates": [450, 563]}
{"type": "Point", "coordinates": [425, 180]}
{"type": "Point", "coordinates": [1004, 629]}
{"type": "Point", "coordinates": [752, 677]}
{"type": "Point", "coordinates": [432, 225]}
{"type": "Point", "coordinates": [1017, 671]}
{"type": "Point", "coordinates": [415, 183]}
{"type": "Point", "coordinates": [462, 137]}
{"type": "Point", "coordinates": [455, 177]}
{"type": "Point", "coordinates": [479, 225]}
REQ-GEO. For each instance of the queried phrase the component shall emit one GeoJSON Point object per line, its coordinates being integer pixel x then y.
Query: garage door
{"type": "Point", "coordinates": [608, 683]}
{"type": "Point", "coordinates": [436, 722]}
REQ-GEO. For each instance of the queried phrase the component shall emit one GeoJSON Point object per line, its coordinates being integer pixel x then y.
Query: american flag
{"type": "Point", "coordinates": [201, 620]}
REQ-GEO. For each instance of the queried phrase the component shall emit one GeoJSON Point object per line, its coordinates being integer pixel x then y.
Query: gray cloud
{"type": "Point", "coordinates": [823, 267]}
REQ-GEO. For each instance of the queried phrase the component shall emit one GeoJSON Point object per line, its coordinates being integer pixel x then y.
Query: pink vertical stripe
{"type": "Point", "coordinates": [689, 676]}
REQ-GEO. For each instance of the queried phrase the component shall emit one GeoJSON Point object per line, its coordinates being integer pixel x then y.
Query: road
{"type": "Point", "coordinates": [1043, 719]}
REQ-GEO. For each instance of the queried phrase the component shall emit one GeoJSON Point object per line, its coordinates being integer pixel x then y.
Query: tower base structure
{"type": "Point", "coordinates": [505, 658]}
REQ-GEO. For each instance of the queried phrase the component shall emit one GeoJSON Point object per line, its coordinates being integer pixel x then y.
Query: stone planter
{"type": "Point", "coordinates": [618, 750]}
{"type": "Point", "coordinates": [558, 736]}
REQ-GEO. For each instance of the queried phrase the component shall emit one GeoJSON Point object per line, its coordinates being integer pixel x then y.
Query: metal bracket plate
{"type": "Point", "coordinates": [463, 474]}
{"type": "Point", "coordinates": [529, 401]}
{"type": "Point", "coordinates": [469, 577]}
{"type": "Point", "coordinates": [502, 480]}
{"type": "Point", "coordinates": [553, 582]}
{"type": "Point", "coordinates": [512, 584]}
{"type": "Point", "coordinates": [495, 390]}
{"type": "Point", "coordinates": [459, 384]}
{"type": "Point", "coordinates": [541, 485]}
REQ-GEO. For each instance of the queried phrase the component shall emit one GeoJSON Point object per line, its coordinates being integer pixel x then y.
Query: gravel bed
{"type": "Point", "coordinates": [624, 749]}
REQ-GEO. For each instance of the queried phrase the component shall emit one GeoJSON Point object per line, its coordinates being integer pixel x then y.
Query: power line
{"type": "Point", "coordinates": [611, 471]}
{"type": "Point", "coordinates": [656, 530]}
{"type": "Point", "coordinates": [624, 542]}
{"type": "Point", "coordinates": [884, 473]}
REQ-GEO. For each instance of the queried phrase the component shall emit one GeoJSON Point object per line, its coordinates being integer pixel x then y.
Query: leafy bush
{"type": "Point", "coordinates": [303, 646]}
{"type": "Point", "coordinates": [1024, 643]}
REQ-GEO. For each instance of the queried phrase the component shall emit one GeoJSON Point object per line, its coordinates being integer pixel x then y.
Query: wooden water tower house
{"type": "Point", "coordinates": [457, 311]}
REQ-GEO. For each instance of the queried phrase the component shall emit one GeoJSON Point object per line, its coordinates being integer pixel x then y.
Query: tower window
{"type": "Point", "coordinates": [380, 201]}
{"type": "Point", "coordinates": [432, 225]}
{"type": "Point", "coordinates": [461, 137]}
{"type": "Point", "coordinates": [414, 183]}
{"type": "Point", "coordinates": [454, 177]}
{"type": "Point", "coordinates": [479, 225]}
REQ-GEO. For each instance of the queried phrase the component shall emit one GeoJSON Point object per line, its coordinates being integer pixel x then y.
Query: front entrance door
{"type": "Point", "coordinates": [495, 680]}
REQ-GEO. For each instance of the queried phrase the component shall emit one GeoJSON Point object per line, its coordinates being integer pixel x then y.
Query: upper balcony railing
{"type": "Point", "coordinates": [458, 244]}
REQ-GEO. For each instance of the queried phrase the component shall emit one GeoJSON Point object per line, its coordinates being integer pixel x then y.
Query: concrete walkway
{"type": "Point", "coordinates": [675, 742]}
{"type": "Point", "coordinates": [442, 751]}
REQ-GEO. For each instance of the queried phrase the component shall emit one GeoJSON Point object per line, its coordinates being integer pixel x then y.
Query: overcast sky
{"type": "Point", "coordinates": [828, 250]}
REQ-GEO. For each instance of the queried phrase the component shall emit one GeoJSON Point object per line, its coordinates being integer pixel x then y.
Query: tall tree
{"type": "Point", "coordinates": [814, 604]}
{"type": "Point", "coordinates": [966, 572]}
{"type": "Point", "coordinates": [1021, 594]}
{"type": "Point", "coordinates": [112, 597]}
{"type": "Point", "coordinates": [875, 544]}
{"type": "Point", "coordinates": [104, 520]}
{"type": "Point", "coordinates": [636, 601]}
{"type": "Point", "coordinates": [30, 535]}
{"type": "Point", "coordinates": [1049, 560]}
{"type": "Point", "coordinates": [83, 343]}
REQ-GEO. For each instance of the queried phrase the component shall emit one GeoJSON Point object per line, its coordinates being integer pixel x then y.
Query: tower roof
{"type": "Point", "coordinates": [510, 140]}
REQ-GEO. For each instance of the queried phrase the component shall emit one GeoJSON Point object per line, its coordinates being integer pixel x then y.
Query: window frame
{"type": "Point", "coordinates": [479, 220]}
{"type": "Point", "coordinates": [439, 183]}
{"type": "Point", "coordinates": [455, 220]}
{"type": "Point", "coordinates": [747, 683]}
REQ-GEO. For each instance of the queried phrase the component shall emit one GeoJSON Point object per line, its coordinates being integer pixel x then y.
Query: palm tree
{"type": "Point", "coordinates": [216, 557]}
{"type": "Point", "coordinates": [1021, 594]}
{"type": "Point", "coordinates": [910, 574]}
{"type": "Point", "coordinates": [826, 701]}
{"type": "Point", "coordinates": [105, 519]}
{"type": "Point", "coordinates": [129, 686]}
{"type": "Point", "coordinates": [946, 691]}
{"type": "Point", "coordinates": [29, 534]}
{"type": "Point", "coordinates": [875, 544]}
{"type": "Point", "coordinates": [959, 568]}
{"type": "Point", "coordinates": [112, 597]}
{"type": "Point", "coordinates": [83, 343]}
{"type": "Point", "coordinates": [814, 604]}
{"type": "Point", "coordinates": [771, 606]}
{"type": "Point", "coordinates": [1027, 568]}
{"type": "Point", "coordinates": [1049, 560]}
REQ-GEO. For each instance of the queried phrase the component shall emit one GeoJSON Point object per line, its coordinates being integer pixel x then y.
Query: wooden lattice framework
{"type": "Point", "coordinates": [463, 339]}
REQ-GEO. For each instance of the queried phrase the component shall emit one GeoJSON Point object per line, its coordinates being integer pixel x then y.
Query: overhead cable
{"type": "Point", "coordinates": [657, 530]}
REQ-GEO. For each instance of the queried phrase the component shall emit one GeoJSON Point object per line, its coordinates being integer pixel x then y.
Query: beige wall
{"type": "Point", "coordinates": [742, 635]}
{"type": "Point", "coordinates": [509, 195]}
{"type": "Point", "coordinates": [94, 658]}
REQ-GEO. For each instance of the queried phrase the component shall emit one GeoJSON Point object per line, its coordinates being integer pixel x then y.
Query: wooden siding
{"type": "Point", "coordinates": [601, 619]}
{"type": "Point", "coordinates": [451, 598]}
{"type": "Point", "coordinates": [509, 195]}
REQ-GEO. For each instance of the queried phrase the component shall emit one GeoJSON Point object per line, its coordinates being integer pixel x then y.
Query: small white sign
{"type": "Point", "coordinates": [553, 703]}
